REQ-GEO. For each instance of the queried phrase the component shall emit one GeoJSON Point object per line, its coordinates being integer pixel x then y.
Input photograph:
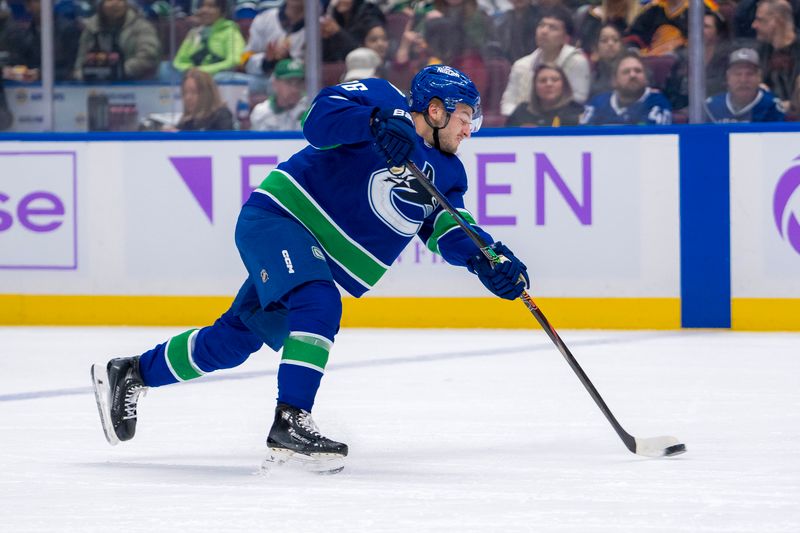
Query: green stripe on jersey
{"type": "Point", "coordinates": [179, 356]}
{"type": "Point", "coordinates": [444, 223]}
{"type": "Point", "coordinates": [306, 350]}
{"type": "Point", "coordinates": [359, 263]}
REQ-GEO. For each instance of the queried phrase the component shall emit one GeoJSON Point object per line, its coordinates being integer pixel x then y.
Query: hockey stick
{"type": "Point", "coordinates": [649, 447]}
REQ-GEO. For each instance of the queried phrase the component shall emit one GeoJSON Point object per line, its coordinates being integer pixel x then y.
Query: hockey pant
{"type": "Point", "coordinates": [288, 301]}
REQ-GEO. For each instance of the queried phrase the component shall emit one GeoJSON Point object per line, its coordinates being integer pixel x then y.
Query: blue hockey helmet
{"type": "Point", "coordinates": [449, 85]}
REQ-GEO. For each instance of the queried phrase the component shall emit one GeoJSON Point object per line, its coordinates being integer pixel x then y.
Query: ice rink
{"type": "Point", "coordinates": [476, 430]}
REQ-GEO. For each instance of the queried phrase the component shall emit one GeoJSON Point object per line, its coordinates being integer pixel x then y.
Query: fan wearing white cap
{"type": "Point", "coordinates": [362, 63]}
{"type": "Point", "coordinates": [745, 100]}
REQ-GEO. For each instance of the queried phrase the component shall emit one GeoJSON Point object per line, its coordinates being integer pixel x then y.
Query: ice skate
{"type": "Point", "coordinates": [294, 437]}
{"type": "Point", "coordinates": [117, 386]}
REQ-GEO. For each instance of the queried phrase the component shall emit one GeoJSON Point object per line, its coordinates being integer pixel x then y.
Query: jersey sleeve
{"type": "Point", "coordinates": [442, 235]}
{"type": "Point", "coordinates": [341, 114]}
{"type": "Point", "coordinates": [775, 111]}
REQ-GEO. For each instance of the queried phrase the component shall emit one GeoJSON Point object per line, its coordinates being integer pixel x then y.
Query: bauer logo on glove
{"type": "Point", "coordinates": [395, 135]}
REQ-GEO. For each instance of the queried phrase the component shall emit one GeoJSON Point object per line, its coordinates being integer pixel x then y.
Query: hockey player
{"type": "Point", "coordinates": [631, 101]}
{"type": "Point", "coordinates": [340, 210]}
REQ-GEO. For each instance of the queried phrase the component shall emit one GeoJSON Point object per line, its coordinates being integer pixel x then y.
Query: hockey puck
{"type": "Point", "coordinates": [675, 449]}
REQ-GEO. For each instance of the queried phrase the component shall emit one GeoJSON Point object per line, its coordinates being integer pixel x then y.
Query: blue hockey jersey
{"type": "Point", "coordinates": [652, 108]}
{"type": "Point", "coordinates": [764, 108]}
{"type": "Point", "coordinates": [361, 213]}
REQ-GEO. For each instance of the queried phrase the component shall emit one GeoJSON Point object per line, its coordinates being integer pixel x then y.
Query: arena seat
{"type": "Point", "coordinates": [497, 72]}
{"type": "Point", "coordinates": [659, 68]}
{"type": "Point", "coordinates": [332, 72]}
{"type": "Point", "coordinates": [395, 26]}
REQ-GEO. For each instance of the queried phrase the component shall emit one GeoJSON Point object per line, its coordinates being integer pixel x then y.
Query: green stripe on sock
{"type": "Point", "coordinates": [179, 357]}
{"type": "Point", "coordinates": [309, 350]}
{"type": "Point", "coordinates": [444, 223]}
{"type": "Point", "coordinates": [359, 264]}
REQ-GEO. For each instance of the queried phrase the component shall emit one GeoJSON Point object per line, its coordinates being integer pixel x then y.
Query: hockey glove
{"type": "Point", "coordinates": [395, 135]}
{"type": "Point", "coordinates": [502, 278]}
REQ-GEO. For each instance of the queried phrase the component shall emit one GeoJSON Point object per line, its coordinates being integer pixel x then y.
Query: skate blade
{"type": "Point", "coordinates": [102, 395]}
{"type": "Point", "coordinates": [317, 463]}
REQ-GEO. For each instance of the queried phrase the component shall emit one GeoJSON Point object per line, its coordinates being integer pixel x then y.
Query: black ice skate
{"type": "Point", "coordinates": [117, 386]}
{"type": "Point", "coordinates": [294, 436]}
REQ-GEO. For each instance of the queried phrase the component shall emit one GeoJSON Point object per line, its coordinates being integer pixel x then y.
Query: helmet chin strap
{"type": "Point", "coordinates": [436, 128]}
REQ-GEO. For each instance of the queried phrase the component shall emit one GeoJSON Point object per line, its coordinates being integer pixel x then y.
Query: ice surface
{"type": "Point", "coordinates": [448, 430]}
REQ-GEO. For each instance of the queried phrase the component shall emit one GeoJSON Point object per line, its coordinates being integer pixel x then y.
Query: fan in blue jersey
{"type": "Point", "coordinates": [631, 101]}
{"type": "Point", "coordinates": [339, 211]}
{"type": "Point", "coordinates": [745, 100]}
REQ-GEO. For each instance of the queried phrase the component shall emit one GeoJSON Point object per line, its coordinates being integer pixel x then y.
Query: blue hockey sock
{"type": "Point", "coordinates": [194, 353]}
{"type": "Point", "coordinates": [171, 361]}
{"type": "Point", "coordinates": [315, 310]}
{"type": "Point", "coordinates": [302, 366]}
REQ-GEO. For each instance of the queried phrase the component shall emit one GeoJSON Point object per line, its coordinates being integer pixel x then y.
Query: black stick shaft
{"type": "Point", "coordinates": [627, 439]}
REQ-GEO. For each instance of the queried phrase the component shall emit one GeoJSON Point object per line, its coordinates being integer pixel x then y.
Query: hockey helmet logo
{"type": "Point", "coordinates": [448, 71]}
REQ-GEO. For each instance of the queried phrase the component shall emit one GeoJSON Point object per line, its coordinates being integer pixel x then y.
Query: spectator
{"type": "Point", "coordinates": [631, 101]}
{"type": "Point", "coordinates": [285, 109]}
{"type": "Point", "coordinates": [373, 36]}
{"type": "Point", "coordinates": [203, 109]}
{"type": "Point", "coordinates": [117, 43]}
{"type": "Point", "coordinates": [454, 30]}
{"type": "Point", "coordinates": [746, 13]}
{"type": "Point", "coordinates": [215, 45]}
{"type": "Point", "coordinates": [340, 25]}
{"type": "Point", "coordinates": [550, 102]}
{"type": "Point", "coordinates": [663, 26]}
{"type": "Point", "coordinates": [589, 22]}
{"type": "Point", "coordinates": [25, 51]}
{"type": "Point", "coordinates": [552, 34]}
{"type": "Point", "coordinates": [607, 51]}
{"type": "Point", "coordinates": [162, 9]}
{"type": "Point", "coordinates": [362, 63]}
{"type": "Point", "coordinates": [275, 34]}
{"type": "Point", "coordinates": [515, 30]}
{"type": "Point", "coordinates": [780, 48]}
{"type": "Point", "coordinates": [744, 101]}
{"type": "Point", "coordinates": [717, 51]}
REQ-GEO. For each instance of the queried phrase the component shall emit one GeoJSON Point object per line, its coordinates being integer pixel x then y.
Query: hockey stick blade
{"type": "Point", "coordinates": [652, 447]}
{"type": "Point", "coordinates": [659, 447]}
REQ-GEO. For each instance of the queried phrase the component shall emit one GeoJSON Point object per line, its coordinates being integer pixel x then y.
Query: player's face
{"type": "Point", "coordinates": [549, 86]}
{"type": "Point", "coordinates": [630, 80]}
{"type": "Point", "coordinates": [457, 129]}
{"type": "Point", "coordinates": [743, 80]}
{"type": "Point", "coordinates": [609, 44]}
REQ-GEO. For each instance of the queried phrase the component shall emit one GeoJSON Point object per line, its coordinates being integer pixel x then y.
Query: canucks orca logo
{"type": "Point", "coordinates": [400, 201]}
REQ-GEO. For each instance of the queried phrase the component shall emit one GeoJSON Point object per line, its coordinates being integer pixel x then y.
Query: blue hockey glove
{"type": "Point", "coordinates": [395, 135]}
{"type": "Point", "coordinates": [503, 278]}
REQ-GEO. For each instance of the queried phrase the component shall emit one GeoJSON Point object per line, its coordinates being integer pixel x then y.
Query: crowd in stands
{"type": "Point", "coordinates": [536, 62]}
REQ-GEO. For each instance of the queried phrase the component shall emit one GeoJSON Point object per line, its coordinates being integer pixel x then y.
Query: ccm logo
{"type": "Point", "coordinates": [288, 261]}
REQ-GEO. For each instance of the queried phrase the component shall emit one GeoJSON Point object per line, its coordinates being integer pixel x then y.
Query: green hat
{"type": "Point", "coordinates": [288, 68]}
